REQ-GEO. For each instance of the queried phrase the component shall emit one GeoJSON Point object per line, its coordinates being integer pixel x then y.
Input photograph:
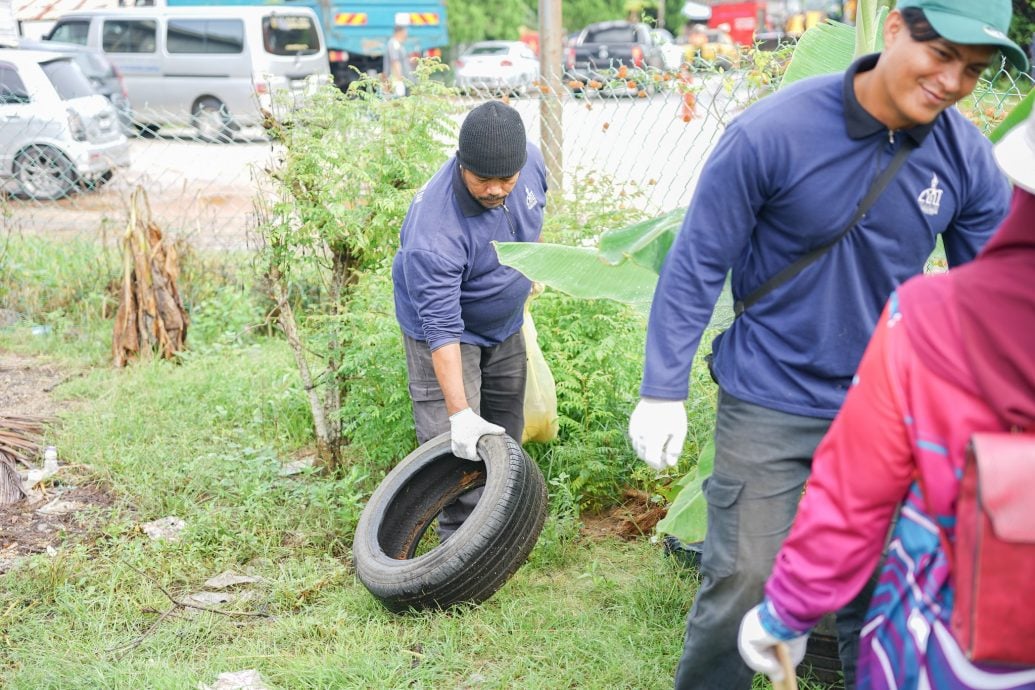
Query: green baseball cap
{"type": "Point", "coordinates": [973, 23]}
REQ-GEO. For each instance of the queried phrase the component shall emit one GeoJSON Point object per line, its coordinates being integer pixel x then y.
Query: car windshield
{"type": "Point", "coordinates": [71, 32]}
{"type": "Point", "coordinates": [621, 34]}
{"type": "Point", "coordinates": [488, 50]}
{"type": "Point", "coordinates": [67, 78]}
{"type": "Point", "coordinates": [290, 35]}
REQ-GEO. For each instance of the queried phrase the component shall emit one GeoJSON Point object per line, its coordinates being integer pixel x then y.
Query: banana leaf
{"type": "Point", "coordinates": [581, 272]}
{"type": "Point", "coordinates": [823, 49]}
{"type": "Point", "coordinates": [869, 28]}
{"type": "Point", "coordinates": [646, 242]}
{"type": "Point", "coordinates": [687, 517]}
{"type": "Point", "coordinates": [831, 46]}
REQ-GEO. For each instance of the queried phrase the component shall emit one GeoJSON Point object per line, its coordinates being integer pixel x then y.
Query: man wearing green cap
{"type": "Point", "coordinates": [789, 178]}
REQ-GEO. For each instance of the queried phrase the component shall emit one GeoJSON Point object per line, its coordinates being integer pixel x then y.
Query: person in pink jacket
{"type": "Point", "coordinates": [953, 354]}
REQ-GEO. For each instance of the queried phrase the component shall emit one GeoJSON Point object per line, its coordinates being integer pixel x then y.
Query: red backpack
{"type": "Point", "coordinates": [993, 559]}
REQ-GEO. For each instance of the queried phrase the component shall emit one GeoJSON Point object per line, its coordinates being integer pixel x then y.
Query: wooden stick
{"type": "Point", "coordinates": [790, 680]}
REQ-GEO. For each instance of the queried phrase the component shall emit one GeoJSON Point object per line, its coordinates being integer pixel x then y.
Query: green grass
{"type": "Point", "coordinates": [203, 439]}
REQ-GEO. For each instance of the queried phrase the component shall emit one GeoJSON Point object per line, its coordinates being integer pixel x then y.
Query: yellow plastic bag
{"type": "Point", "coordinates": [540, 391]}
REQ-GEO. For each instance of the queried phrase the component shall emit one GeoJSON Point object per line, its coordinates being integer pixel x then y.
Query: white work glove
{"type": "Point", "coordinates": [465, 428]}
{"type": "Point", "coordinates": [758, 644]}
{"type": "Point", "coordinates": [657, 429]}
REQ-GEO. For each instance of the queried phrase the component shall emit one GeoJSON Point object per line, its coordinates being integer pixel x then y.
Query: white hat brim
{"type": "Point", "coordinates": [1015, 154]}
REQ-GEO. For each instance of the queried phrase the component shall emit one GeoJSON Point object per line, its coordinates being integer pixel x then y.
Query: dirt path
{"type": "Point", "coordinates": [64, 509]}
{"type": "Point", "coordinates": [26, 384]}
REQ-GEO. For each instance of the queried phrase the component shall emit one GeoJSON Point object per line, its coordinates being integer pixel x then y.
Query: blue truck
{"type": "Point", "coordinates": [356, 32]}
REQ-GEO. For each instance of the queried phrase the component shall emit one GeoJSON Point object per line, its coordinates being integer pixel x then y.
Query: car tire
{"type": "Point", "coordinates": [211, 119]}
{"type": "Point", "coordinates": [44, 173]}
{"type": "Point", "coordinates": [479, 558]}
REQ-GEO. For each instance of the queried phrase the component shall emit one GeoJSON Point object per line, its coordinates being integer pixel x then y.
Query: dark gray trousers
{"type": "Point", "coordinates": [762, 459]}
{"type": "Point", "coordinates": [494, 381]}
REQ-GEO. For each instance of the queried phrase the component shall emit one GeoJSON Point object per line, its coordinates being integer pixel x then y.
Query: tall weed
{"type": "Point", "coordinates": [594, 349]}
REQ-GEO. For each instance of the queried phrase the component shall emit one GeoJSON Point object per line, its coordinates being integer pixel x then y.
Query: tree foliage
{"type": "Point", "coordinates": [1022, 29]}
{"type": "Point", "coordinates": [350, 165]}
{"type": "Point", "coordinates": [478, 20]}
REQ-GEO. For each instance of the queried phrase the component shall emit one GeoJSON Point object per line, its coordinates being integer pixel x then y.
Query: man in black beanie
{"type": "Point", "coordinates": [460, 311]}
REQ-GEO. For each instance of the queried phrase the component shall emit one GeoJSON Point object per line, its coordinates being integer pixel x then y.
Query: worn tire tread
{"type": "Point", "coordinates": [480, 557]}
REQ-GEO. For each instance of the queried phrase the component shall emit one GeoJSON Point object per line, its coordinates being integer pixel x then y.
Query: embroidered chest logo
{"type": "Point", "coordinates": [930, 199]}
{"type": "Point", "coordinates": [530, 199]}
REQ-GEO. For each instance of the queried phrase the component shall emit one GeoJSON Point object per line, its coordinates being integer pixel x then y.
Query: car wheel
{"type": "Point", "coordinates": [473, 563]}
{"type": "Point", "coordinates": [212, 120]}
{"type": "Point", "coordinates": [44, 173]}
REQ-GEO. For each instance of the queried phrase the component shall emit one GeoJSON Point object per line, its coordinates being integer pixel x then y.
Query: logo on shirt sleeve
{"type": "Point", "coordinates": [930, 199]}
{"type": "Point", "coordinates": [530, 199]}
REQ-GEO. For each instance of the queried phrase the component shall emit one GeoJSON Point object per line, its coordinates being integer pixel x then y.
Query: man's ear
{"type": "Point", "coordinates": [894, 25]}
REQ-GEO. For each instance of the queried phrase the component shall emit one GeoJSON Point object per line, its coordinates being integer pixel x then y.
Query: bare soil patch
{"type": "Point", "coordinates": [73, 503]}
{"type": "Point", "coordinates": [26, 384]}
{"type": "Point", "coordinates": [67, 513]}
{"type": "Point", "coordinates": [635, 518]}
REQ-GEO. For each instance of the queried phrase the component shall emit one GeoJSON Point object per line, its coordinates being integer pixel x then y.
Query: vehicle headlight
{"type": "Point", "coordinates": [75, 124]}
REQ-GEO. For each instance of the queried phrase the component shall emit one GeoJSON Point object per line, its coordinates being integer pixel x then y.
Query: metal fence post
{"type": "Point", "coordinates": [551, 105]}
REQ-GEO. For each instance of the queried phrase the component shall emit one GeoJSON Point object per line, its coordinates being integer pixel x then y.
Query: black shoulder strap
{"type": "Point", "coordinates": [878, 186]}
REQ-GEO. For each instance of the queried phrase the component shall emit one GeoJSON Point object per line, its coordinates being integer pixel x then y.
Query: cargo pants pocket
{"type": "Point", "coordinates": [719, 556]}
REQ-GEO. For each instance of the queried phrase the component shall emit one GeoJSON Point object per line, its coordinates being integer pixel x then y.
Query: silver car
{"type": "Point", "coordinates": [103, 75]}
{"type": "Point", "coordinates": [56, 134]}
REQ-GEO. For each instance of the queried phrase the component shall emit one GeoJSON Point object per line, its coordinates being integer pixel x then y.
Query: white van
{"type": "Point", "coordinates": [215, 66]}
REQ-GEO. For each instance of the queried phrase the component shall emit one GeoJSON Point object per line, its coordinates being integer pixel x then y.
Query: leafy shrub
{"type": "Point", "coordinates": [376, 415]}
{"type": "Point", "coordinates": [349, 167]}
{"type": "Point", "coordinates": [595, 350]}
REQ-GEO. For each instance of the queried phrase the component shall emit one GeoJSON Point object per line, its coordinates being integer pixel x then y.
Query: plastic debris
{"type": "Point", "coordinates": [289, 469]}
{"type": "Point", "coordinates": [208, 598]}
{"type": "Point", "coordinates": [237, 680]}
{"type": "Point", "coordinates": [60, 507]}
{"type": "Point", "coordinates": [164, 529]}
{"type": "Point", "coordinates": [32, 477]}
{"type": "Point", "coordinates": [230, 579]}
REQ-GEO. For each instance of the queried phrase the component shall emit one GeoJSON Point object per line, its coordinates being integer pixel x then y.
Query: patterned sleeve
{"type": "Point", "coordinates": [860, 473]}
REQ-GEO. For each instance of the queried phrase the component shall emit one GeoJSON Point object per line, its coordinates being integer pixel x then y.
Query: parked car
{"type": "Point", "coordinates": [216, 67]}
{"type": "Point", "coordinates": [56, 133]}
{"type": "Point", "coordinates": [606, 52]}
{"type": "Point", "coordinates": [672, 53]}
{"type": "Point", "coordinates": [104, 76]}
{"type": "Point", "coordinates": [497, 67]}
{"type": "Point", "coordinates": [712, 49]}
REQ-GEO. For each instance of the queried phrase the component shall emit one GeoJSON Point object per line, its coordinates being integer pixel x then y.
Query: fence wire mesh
{"type": "Point", "coordinates": [69, 168]}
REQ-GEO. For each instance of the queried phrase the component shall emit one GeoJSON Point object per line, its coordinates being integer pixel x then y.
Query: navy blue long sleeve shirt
{"type": "Point", "coordinates": [785, 178]}
{"type": "Point", "coordinates": [448, 282]}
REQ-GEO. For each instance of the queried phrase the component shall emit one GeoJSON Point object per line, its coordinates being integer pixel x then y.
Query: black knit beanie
{"type": "Point", "coordinates": [492, 141]}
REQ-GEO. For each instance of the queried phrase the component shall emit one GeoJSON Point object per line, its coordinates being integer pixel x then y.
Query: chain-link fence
{"type": "Point", "coordinates": [69, 167]}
